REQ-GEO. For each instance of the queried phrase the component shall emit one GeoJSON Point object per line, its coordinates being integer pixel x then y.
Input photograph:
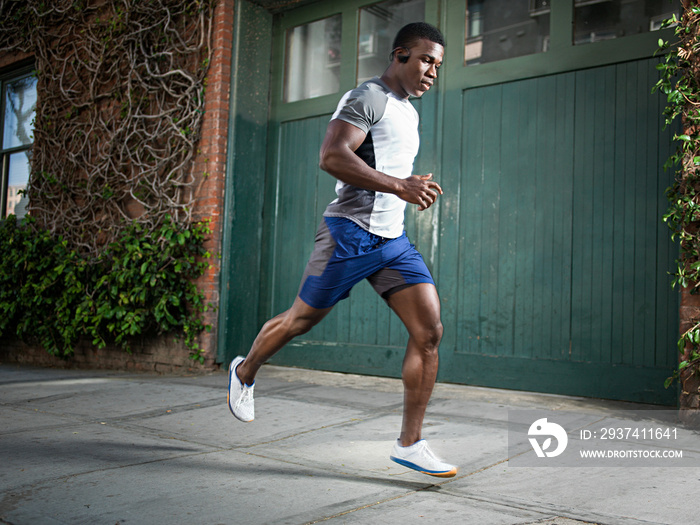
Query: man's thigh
{"type": "Point", "coordinates": [418, 307]}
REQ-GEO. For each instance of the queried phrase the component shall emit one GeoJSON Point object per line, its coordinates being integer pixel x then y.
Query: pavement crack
{"type": "Point", "coordinates": [370, 505]}
{"type": "Point", "coordinates": [296, 434]}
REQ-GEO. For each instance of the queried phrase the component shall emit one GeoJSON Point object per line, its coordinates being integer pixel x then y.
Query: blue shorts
{"type": "Point", "coordinates": [344, 254]}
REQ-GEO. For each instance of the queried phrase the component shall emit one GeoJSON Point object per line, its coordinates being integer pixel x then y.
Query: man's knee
{"type": "Point", "coordinates": [299, 320]}
{"type": "Point", "coordinates": [429, 336]}
{"type": "Point", "coordinates": [295, 326]}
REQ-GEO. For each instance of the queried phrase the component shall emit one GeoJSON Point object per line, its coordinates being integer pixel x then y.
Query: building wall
{"type": "Point", "coordinates": [164, 353]}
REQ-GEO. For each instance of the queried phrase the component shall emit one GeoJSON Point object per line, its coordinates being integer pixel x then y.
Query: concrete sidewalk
{"type": "Point", "coordinates": [99, 447]}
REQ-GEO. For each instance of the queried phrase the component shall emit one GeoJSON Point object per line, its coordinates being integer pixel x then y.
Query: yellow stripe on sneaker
{"type": "Point", "coordinates": [448, 474]}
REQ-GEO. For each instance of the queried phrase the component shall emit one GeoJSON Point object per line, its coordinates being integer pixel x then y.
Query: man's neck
{"type": "Point", "coordinates": [390, 80]}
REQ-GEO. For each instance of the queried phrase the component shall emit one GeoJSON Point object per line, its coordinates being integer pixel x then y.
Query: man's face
{"type": "Point", "coordinates": [417, 75]}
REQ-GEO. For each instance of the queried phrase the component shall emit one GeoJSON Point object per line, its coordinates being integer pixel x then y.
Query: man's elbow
{"type": "Point", "coordinates": [325, 161]}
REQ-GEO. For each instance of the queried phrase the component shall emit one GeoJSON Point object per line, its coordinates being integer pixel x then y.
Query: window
{"type": "Point", "coordinates": [312, 65]}
{"type": "Point", "coordinates": [379, 24]}
{"type": "Point", "coordinates": [500, 29]}
{"type": "Point", "coordinates": [596, 20]}
{"type": "Point", "coordinates": [17, 108]}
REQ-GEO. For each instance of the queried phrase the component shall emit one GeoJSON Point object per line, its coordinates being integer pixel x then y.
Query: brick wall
{"type": "Point", "coordinates": [689, 381]}
{"type": "Point", "coordinates": [157, 354]}
{"type": "Point", "coordinates": [210, 164]}
{"type": "Point", "coordinates": [12, 59]}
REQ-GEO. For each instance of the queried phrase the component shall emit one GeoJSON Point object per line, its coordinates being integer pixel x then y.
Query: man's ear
{"type": "Point", "coordinates": [402, 56]}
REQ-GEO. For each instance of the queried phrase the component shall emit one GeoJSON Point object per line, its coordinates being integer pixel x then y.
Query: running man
{"type": "Point", "coordinates": [369, 146]}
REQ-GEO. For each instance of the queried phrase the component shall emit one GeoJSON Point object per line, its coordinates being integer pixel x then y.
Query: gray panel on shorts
{"type": "Point", "coordinates": [386, 280]}
{"type": "Point", "coordinates": [324, 245]}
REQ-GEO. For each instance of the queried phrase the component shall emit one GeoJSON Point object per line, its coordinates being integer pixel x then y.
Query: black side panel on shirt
{"type": "Point", "coordinates": [366, 151]}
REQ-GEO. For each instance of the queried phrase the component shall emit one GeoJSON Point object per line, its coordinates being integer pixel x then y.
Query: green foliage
{"type": "Point", "coordinates": [142, 283]}
{"type": "Point", "coordinates": [680, 82]}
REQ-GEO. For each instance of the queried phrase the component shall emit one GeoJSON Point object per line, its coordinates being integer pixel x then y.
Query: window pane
{"type": "Point", "coordinates": [596, 20]}
{"type": "Point", "coordinates": [379, 24]}
{"type": "Point", "coordinates": [17, 181]}
{"type": "Point", "coordinates": [500, 29]}
{"type": "Point", "coordinates": [313, 59]}
{"type": "Point", "coordinates": [20, 106]}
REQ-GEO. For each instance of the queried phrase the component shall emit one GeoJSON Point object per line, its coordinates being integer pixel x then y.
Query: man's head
{"type": "Point", "coordinates": [417, 54]}
{"type": "Point", "coordinates": [409, 34]}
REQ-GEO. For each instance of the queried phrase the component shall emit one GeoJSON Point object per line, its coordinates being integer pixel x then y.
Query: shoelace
{"type": "Point", "coordinates": [428, 452]}
{"type": "Point", "coordinates": [246, 396]}
{"type": "Point", "coordinates": [424, 449]}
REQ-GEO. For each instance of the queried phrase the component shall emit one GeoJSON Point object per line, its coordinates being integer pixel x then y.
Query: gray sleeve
{"type": "Point", "coordinates": [363, 107]}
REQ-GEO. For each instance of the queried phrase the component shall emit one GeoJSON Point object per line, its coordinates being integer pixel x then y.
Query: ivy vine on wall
{"type": "Point", "coordinates": [680, 82]}
{"type": "Point", "coordinates": [120, 87]}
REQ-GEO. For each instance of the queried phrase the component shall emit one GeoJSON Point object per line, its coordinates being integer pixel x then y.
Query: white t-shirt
{"type": "Point", "coordinates": [391, 145]}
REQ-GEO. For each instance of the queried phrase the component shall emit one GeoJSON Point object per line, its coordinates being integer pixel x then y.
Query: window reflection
{"type": "Point", "coordinates": [20, 107]}
{"type": "Point", "coordinates": [17, 182]}
{"type": "Point", "coordinates": [18, 99]}
{"type": "Point", "coordinates": [500, 29]}
{"type": "Point", "coordinates": [312, 66]}
{"type": "Point", "coordinates": [596, 20]}
{"type": "Point", "coordinates": [379, 24]}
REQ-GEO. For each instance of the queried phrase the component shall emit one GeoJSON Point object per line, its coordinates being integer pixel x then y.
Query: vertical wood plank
{"type": "Point", "coordinates": [468, 272]}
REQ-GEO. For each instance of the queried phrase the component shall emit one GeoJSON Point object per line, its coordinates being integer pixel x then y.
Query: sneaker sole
{"type": "Point", "coordinates": [436, 473]}
{"type": "Point", "coordinates": [231, 371]}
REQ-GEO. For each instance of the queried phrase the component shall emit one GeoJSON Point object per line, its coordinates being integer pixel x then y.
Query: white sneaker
{"type": "Point", "coordinates": [419, 457]}
{"type": "Point", "coordinates": [240, 396]}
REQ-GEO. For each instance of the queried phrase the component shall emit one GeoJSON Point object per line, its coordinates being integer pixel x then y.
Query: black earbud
{"type": "Point", "coordinates": [401, 58]}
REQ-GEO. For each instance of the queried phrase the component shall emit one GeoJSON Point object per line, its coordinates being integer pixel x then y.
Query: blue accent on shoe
{"type": "Point", "coordinates": [416, 467]}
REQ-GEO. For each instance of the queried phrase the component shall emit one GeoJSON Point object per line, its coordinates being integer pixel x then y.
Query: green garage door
{"type": "Point", "coordinates": [554, 269]}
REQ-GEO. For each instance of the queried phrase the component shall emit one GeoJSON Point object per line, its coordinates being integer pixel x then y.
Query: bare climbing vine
{"type": "Point", "coordinates": [120, 105]}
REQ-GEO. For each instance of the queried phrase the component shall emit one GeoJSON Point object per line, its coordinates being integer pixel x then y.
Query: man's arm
{"type": "Point", "coordinates": [339, 159]}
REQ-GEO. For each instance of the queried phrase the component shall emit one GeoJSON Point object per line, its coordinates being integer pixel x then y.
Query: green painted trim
{"type": "Point", "coordinates": [574, 378]}
{"type": "Point", "coordinates": [269, 241]}
{"type": "Point", "coordinates": [305, 108]}
{"type": "Point", "coordinates": [277, 67]}
{"type": "Point", "coordinates": [572, 58]}
{"type": "Point", "coordinates": [229, 199]}
{"type": "Point", "coordinates": [239, 290]}
{"type": "Point", "coordinates": [348, 48]}
{"type": "Point", "coordinates": [365, 359]}
{"type": "Point", "coordinates": [319, 10]}
{"type": "Point", "coordinates": [561, 24]}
